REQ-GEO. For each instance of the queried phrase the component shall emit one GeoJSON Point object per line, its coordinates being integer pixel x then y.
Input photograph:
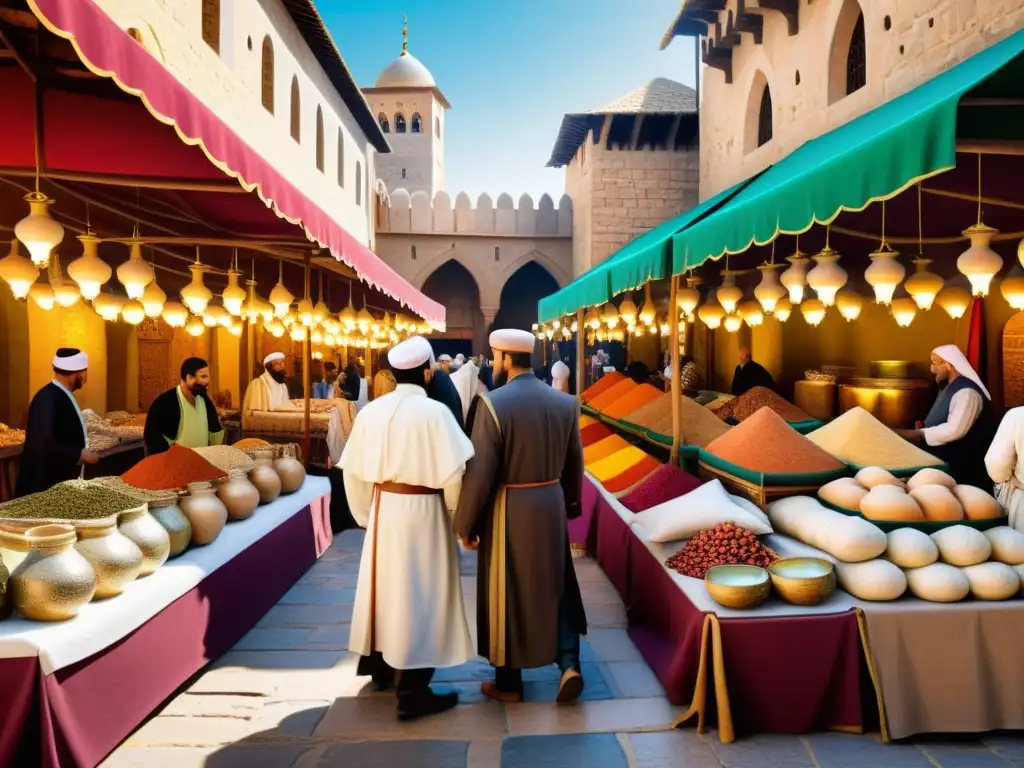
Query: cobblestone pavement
{"type": "Point", "coordinates": [287, 696]}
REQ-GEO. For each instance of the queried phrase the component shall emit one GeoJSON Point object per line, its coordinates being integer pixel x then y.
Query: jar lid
{"type": "Point", "coordinates": [51, 535]}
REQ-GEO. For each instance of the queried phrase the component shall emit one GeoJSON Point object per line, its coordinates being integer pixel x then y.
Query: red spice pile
{"type": "Point", "coordinates": [750, 402]}
{"type": "Point", "coordinates": [766, 443]}
{"type": "Point", "coordinates": [171, 470]}
{"type": "Point", "coordinates": [721, 545]}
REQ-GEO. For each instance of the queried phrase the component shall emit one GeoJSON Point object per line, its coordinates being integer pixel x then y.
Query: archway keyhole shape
{"type": "Point", "coordinates": [847, 58]}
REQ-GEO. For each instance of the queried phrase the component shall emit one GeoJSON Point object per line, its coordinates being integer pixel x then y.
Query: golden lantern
{"type": "Point", "coordinates": [813, 311]}
{"type": "Point", "coordinates": [884, 274]}
{"type": "Point", "coordinates": [827, 277]}
{"type": "Point", "coordinates": [236, 328]}
{"type": "Point", "coordinates": [175, 314]}
{"type": "Point", "coordinates": [980, 263]}
{"type": "Point", "coordinates": [363, 320]}
{"type": "Point", "coordinates": [281, 298]}
{"type": "Point", "coordinates": [133, 312]}
{"type": "Point", "coordinates": [904, 310]}
{"type": "Point", "coordinates": [108, 307]}
{"type": "Point", "coordinates": [331, 341]}
{"type": "Point", "coordinates": [196, 295]}
{"type": "Point", "coordinates": [234, 295]}
{"type": "Point", "coordinates": [332, 326]}
{"type": "Point", "coordinates": [573, 326]}
{"type": "Point", "coordinates": [663, 326]}
{"type": "Point", "coordinates": [38, 231]}
{"type": "Point", "coordinates": [1012, 288]}
{"type": "Point", "coordinates": [592, 319]}
{"type": "Point", "coordinates": [566, 333]}
{"type": "Point", "coordinates": [955, 300]}
{"type": "Point", "coordinates": [610, 315]}
{"type": "Point", "coordinates": [64, 293]}
{"type": "Point", "coordinates": [649, 312]}
{"type": "Point", "coordinates": [783, 309]}
{"type": "Point", "coordinates": [617, 335]}
{"type": "Point", "coordinates": [317, 336]}
{"type": "Point", "coordinates": [297, 332]}
{"type": "Point", "coordinates": [923, 286]}
{"type": "Point", "coordinates": [556, 324]}
{"type": "Point", "coordinates": [348, 317]}
{"type": "Point", "coordinates": [729, 294]}
{"type": "Point", "coordinates": [769, 291]}
{"type": "Point", "coordinates": [153, 299]}
{"type": "Point", "coordinates": [218, 315]}
{"type": "Point", "coordinates": [304, 310]}
{"type": "Point", "coordinates": [794, 279]}
{"type": "Point", "coordinates": [540, 333]}
{"type": "Point", "coordinates": [18, 272]}
{"type": "Point", "coordinates": [628, 311]}
{"type": "Point", "coordinates": [688, 298]}
{"type": "Point", "coordinates": [638, 331]}
{"type": "Point", "coordinates": [89, 270]}
{"type": "Point", "coordinates": [711, 312]}
{"type": "Point", "coordinates": [42, 295]}
{"type": "Point", "coordinates": [550, 333]}
{"type": "Point", "coordinates": [751, 312]}
{"type": "Point", "coordinates": [402, 323]}
{"type": "Point", "coordinates": [850, 303]}
{"type": "Point", "coordinates": [733, 322]}
{"type": "Point", "coordinates": [320, 312]}
{"type": "Point", "coordinates": [135, 274]}
{"type": "Point", "coordinates": [195, 326]}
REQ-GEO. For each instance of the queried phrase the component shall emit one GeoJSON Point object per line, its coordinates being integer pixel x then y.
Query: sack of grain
{"type": "Point", "coordinates": [977, 504]}
{"type": "Point", "coordinates": [850, 539]}
{"type": "Point", "coordinates": [1007, 545]}
{"type": "Point", "coordinates": [938, 583]}
{"type": "Point", "coordinates": [876, 580]}
{"type": "Point", "coordinates": [962, 546]}
{"type": "Point", "coordinates": [910, 548]}
{"type": "Point", "coordinates": [869, 477]}
{"type": "Point", "coordinates": [992, 581]}
{"type": "Point", "coordinates": [699, 510]}
{"type": "Point", "coordinates": [937, 502]}
{"type": "Point", "coordinates": [845, 493]}
{"type": "Point", "coordinates": [884, 504]}
{"type": "Point", "coordinates": [930, 477]}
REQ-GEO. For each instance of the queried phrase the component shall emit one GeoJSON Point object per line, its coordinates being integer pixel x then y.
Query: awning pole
{"type": "Point", "coordinates": [306, 365]}
{"type": "Point", "coordinates": [581, 353]}
{"type": "Point", "coordinates": [677, 390]}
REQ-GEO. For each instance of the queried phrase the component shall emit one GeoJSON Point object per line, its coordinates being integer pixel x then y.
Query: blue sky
{"type": "Point", "coordinates": [511, 70]}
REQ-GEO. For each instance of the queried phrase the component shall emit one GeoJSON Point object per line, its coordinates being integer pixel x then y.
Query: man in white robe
{"type": "Point", "coordinates": [269, 392]}
{"type": "Point", "coordinates": [467, 382]}
{"type": "Point", "coordinates": [1005, 464]}
{"type": "Point", "coordinates": [560, 376]}
{"type": "Point", "coordinates": [403, 467]}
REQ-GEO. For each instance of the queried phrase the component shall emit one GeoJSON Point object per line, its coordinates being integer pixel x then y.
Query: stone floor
{"type": "Point", "coordinates": [287, 696]}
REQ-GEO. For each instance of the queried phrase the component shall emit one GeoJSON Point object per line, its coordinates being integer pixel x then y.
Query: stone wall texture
{"type": "Point", "coordinates": [416, 160]}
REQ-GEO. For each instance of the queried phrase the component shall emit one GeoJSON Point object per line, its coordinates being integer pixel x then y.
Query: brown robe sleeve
{"type": "Point", "coordinates": [572, 472]}
{"type": "Point", "coordinates": [481, 476]}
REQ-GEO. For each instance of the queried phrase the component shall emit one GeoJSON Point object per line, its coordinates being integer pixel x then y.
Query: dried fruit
{"type": "Point", "coordinates": [721, 545]}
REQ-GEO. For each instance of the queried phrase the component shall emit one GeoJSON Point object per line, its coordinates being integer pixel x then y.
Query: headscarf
{"type": "Point", "coordinates": [952, 355]}
{"type": "Point", "coordinates": [465, 380]}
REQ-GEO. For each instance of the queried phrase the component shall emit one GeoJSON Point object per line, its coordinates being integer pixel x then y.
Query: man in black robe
{"type": "Point", "coordinates": [442, 389]}
{"type": "Point", "coordinates": [750, 374]}
{"type": "Point", "coordinates": [184, 414]}
{"type": "Point", "coordinates": [351, 385]}
{"type": "Point", "coordinates": [56, 438]}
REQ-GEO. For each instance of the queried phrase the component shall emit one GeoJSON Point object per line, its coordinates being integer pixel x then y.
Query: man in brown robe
{"type": "Point", "coordinates": [519, 491]}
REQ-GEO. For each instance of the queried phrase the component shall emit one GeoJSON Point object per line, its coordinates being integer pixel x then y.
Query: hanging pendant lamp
{"type": "Point", "coordinates": [980, 263]}
{"type": "Point", "coordinates": [18, 272]}
{"type": "Point", "coordinates": [108, 306]}
{"type": "Point", "coordinates": [903, 308]}
{"type": "Point", "coordinates": [348, 314]}
{"type": "Point", "coordinates": [688, 298]}
{"type": "Point", "coordinates": [65, 292]}
{"type": "Point", "coordinates": [729, 294]}
{"type": "Point", "coordinates": [234, 295]}
{"type": "Point", "coordinates": [280, 296]}
{"type": "Point", "coordinates": [592, 319]}
{"type": "Point", "coordinates": [196, 295]}
{"type": "Point", "coordinates": [195, 326]}
{"type": "Point", "coordinates": [813, 311]}
{"type": "Point", "coordinates": [649, 312]}
{"type": "Point", "coordinates": [884, 273]}
{"type": "Point", "coordinates": [42, 295]}
{"type": "Point", "coordinates": [39, 233]}
{"type": "Point", "coordinates": [133, 312]}
{"type": "Point", "coordinates": [610, 315]}
{"type": "Point", "coordinates": [954, 299]}
{"type": "Point", "coordinates": [794, 279]}
{"type": "Point", "coordinates": [135, 274]}
{"type": "Point", "coordinates": [783, 310]}
{"type": "Point", "coordinates": [153, 299]}
{"type": "Point", "coordinates": [827, 277]}
{"type": "Point", "coordinates": [769, 291]}
{"type": "Point", "coordinates": [175, 314]}
{"type": "Point", "coordinates": [320, 310]}
{"type": "Point", "coordinates": [923, 286]}
{"type": "Point", "coordinates": [1011, 286]}
{"type": "Point", "coordinates": [751, 312]}
{"type": "Point", "coordinates": [89, 270]}
{"type": "Point", "coordinates": [711, 312]}
{"type": "Point", "coordinates": [628, 311]}
{"type": "Point", "coordinates": [732, 322]}
{"type": "Point", "coordinates": [849, 303]}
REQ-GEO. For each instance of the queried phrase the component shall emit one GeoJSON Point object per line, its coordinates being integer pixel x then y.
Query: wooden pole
{"type": "Point", "coordinates": [306, 365]}
{"type": "Point", "coordinates": [581, 354]}
{"type": "Point", "coordinates": [677, 390]}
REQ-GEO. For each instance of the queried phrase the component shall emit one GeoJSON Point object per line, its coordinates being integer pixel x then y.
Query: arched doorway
{"type": "Point", "coordinates": [520, 294]}
{"type": "Point", "coordinates": [453, 286]}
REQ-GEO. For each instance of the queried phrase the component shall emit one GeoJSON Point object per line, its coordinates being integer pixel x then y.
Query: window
{"type": "Point", "coordinates": [359, 183]}
{"type": "Point", "coordinates": [383, 120]}
{"type": "Point", "coordinates": [296, 111]}
{"type": "Point", "coordinates": [413, 252]}
{"type": "Point", "coordinates": [211, 24]}
{"type": "Point", "coordinates": [267, 75]}
{"type": "Point", "coordinates": [437, 127]}
{"type": "Point", "coordinates": [417, 123]}
{"type": "Point", "coordinates": [319, 139]}
{"type": "Point", "coordinates": [399, 122]}
{"type": "Point", "coordinates": [403, 173]}
{"type": "Point", "coordinates": [764, 118]}
{"type": "Point", "coordinates": [497, 254]}
{"type": "Point", "coordinates": [856, 59]}
{"type": "Point", "coordinates": [341, 158]}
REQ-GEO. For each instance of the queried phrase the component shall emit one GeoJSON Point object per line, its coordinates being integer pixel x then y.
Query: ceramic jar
{"type": "Point", "coordinates": [290, 470]}
{"type": "Point", "coordinates": [170, 517]}
{"type": "Point", "coordinates": [265, 477]}
{"type": "Point", "coordinates": [13, 548]}
{"type": "Point", "coordinates": [142, 528]}
{"type": "Point", "coordinates": [239, 495]}
{"type": "Point", "coordinates": [114, 557]}
{"type": "Point", "coordinates": [54, 581]}
{"type": "Point", "coordinates": [206, 513]}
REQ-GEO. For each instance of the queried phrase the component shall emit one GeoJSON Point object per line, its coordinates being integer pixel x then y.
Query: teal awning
{"type": "Point", "coordinates": [873, 157]}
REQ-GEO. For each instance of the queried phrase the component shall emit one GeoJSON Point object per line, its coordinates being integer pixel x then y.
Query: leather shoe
{"type": "Point", "coordinates": [425, 704]}
{"type": "Point", "coordinates": [492, 691]}
{"type": "Point", "coordinates": [570, 688]}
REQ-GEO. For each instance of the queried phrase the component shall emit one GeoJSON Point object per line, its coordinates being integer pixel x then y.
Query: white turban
{"type": "Point", "coordinates": [414, 352]}
{"type": "Point", "coordinates": [70, 360]}
{"type": "Point", "coordinates": [272, 357]}
{"type": "Point", "coordinates": [559, 371]}
{"type": "Point", "coordinates": [952, 355]}
{"type": "Point", "coordinates": [513, 341]}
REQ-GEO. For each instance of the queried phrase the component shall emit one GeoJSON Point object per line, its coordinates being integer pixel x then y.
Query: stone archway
{"type": "Point", "coordinates": [453, 286]}
{"type": "Point", "coordinates": [520, 293]}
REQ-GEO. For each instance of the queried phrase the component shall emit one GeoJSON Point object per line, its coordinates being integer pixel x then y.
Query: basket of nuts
{"type": "Point", "coordinates": [725, 544]}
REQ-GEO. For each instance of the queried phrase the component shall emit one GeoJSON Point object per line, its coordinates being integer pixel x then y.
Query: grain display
{"type": "Point", "coordinates": [606, 382]}
{"type": "Point", "coordinates": [765, 443]}
{"type": "Point", "coordinates": [227, 457]}
{"type": "Point", "coordinates": [721, 545]}
{"type": "Point", "coordinates": [746, 405]}
{"type": "Point", "coordinates": [173, 469]}
{"type": "Point", "coordinates": [70, 500]}
{"type": "Point", "coordinates": [637, 397]}
{"type": "Point", "coordinates": [860, 439]}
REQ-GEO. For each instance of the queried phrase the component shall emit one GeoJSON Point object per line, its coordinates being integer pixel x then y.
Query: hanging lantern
{"type": "Point", "coordinates": [610, 315]}
{"type": "Point", "coordinates": [1012, 288]}
{"type": "Point", "coordinates": [320, 312]}
{"type": "Point", "coordinates": [574, 327]}
{"type": "Point", "coordinates": [196, 295]}
{"type": "Point", "coordinates": [175, 314]}
{"type": "Point", "coordinates": [688, 298]}
{"type": "Point", "coordinates": [566, 333]}
{"type": "Point", "coordinates": [783, 310]}
{"type": "Point", "coordinates": [18, 272]}
{"type": "Point", "coordinates": [649, 311]}
{"type": "Point", "coordinates": [38, 231]}
{"type": "Point", "coordinates": [289, 320]}
{"type": "Point", "coordinates": [556, 324]}
{"type": "Point", "coordinates": [153, 299]}
{"type": "Point", "coordinates": [133, 312]}
{"type": "Point", "coordinates": [850, 303]}
{"type": "Point", "coordinates": [316, 337]}
{"type": "Point", "coordinates": [729, 294]}
{"type": "Point", "coordinates": [236, 328]}
{"type": "Point", "coordinates": [600, 336]}
{"type": "Point", "coordinates": [234, 295]}
{"type": "Point", "coordinates": [711, 312]}
{"type": "Point", "coordinates": [663, 326]}
{"type": "Point", "coordinates": [618, 335]}
{"type": "Point", "coordinates": [216, 315]}
{"type": "Point", "coordinates": [923, 286]}
{"type": "Point", "coordinates": [827, 277]}
{"type": "Point", "coordinates": [979, 262]}
{"type": "Point", "coordinates": [752, 313]}
{"type": "Point", "coordinates": [884, 274]}
{"type": "Point", "coordinates": [794, 279]}
{"type": "Point", "coordinates": [638, 331]}
{"type": "Point", "coordinates": [64, 293]}
{"type": "Point", "coordinates": [195, 326]}
{"type": "Point", "coordinates": [955, 300]}
{"type": "Point", "coordinates": [813, 311]}
{"type": "Point", "coordinates": [108, 307]}
{"type": "Point", "coordinates": [330, 341]}
{"type": "Point", "coordinates": [348, 317]}
{"type": "Point", "coordinates": [904, 310]}
{"type": "Point", "coordinates": [732, 322]}
{"type": "Point", "coordinates": [332, 326]}
{"type": "Point", "coordinates": [297, 332]}
{"type": "Point", "coordinates": [274, 327]}
{"type": "Point", "coordinates": [363, 320]}
{"type": "Point", "coordinates": [42, 295]}
{"type": "Point", "coordinates": [627, 311]}
{"type": "Point", "coordinates": [592, 319]}
{"type": "Point", "coordinates": [304, 310]}
{"type": "Point", "coordinates": [135, 274]}
{"type": "Point", "coordinates": [281, 299]}
{"type": "Point", "coordinates": [769, 291]}
{"type": "Point", "coordinates": [89, 270]}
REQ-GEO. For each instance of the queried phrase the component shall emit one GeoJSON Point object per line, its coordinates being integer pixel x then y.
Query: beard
{"type": "Point", "coordinates": [501, 379]}
{"type": "Point", "coordinates": [77, 384]}
{"type": "Point", "coordinates": [277, 376]}
{"type": "Point", "coordinates": [199, 390]}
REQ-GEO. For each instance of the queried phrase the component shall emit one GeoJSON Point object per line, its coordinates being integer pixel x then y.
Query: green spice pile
{"type": "Point", "coordinates": [71, 500]}
{"type": "Point", "coordinates": [227, 458]}
{"type": "Point", "coordinates": [120, 486]}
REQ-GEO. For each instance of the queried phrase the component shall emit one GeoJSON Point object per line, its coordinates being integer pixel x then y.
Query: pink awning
{"type": "Point", "coordinates": [109, 51]}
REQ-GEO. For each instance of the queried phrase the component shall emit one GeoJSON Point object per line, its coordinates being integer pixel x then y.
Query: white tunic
{"type": "Point", "coordinates": [466, 380]}
{"type": "Point", "coordinates": [265, 394]}
{"type": "Point", "coordinates": [1005, 464]}
{"type": "Point", "coordinates": [420, 620]}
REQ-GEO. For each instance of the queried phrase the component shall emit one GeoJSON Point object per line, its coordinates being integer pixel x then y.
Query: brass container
{"type": "Point", "coordinates": [205, 512]}
{"type": "Point", "coordinates": [170, 517]}
{"type": "Point", "coordinates": [816, 398]}
{"type": "Point", "coordinates": [803, 580]}
{"type": "Point", "coordinates": [240, 496]}
{"type": "Point", "coordinates": [54, 581]}
{"type": "Point", "coordinates": [290, 470]}
{"type": "Point", "coordinates": [142, 528]}
{"type": "Point", "coordinates": [14, 547]}
{"type": "Point", "coordinates": [265, 477]}
{"type": "Point", "coordinates": [897, 403]}
{"type": "Point", "coordinates": [892, 369]}
{"type": "Point", "coordinates": [737, 586]}
{"type": "Point", "coordinates": [114, 557]}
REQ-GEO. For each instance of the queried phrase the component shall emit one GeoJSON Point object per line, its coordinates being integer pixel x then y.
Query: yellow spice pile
{"type": "Point", "coordinates": [860, 439]}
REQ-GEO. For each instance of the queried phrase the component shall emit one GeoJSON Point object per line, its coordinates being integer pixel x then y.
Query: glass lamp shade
{"type": "Point", "coordinates": [216, 315]}
{"type": "Point", "coordinates": [813, 311]}
{"type": "Point", "coordinates": [617, 335]}
{"type": "Point", "coordinates": [65, 293]}
{"type": "Point", "coordinates": [289, 320]}
{"type": "Point", "coordinates": [884, 275]}
{"type": "Point", "coordinates": [729, 294]}
{"type": "Point", "coordinates": [348, 318]}
{"type": "Point", "coordinates": [108, 307]}
{"type": "Point", "coordinates": [827, 277]}
{"type": "Point", "coordinates": [42, 295]}
{"type": "Point", "coordinates": [769, 290]}
{"type": "Point", "coordinates": [89, 270]}
{"type": "Point", "coordinates": [628, 311]}
{"type": "Point", "coordinates": [649, 312]}
{"type": "Point", "coordinates": [592, 319]}
{"type": "Point", "coordinates": [638, 331]}
{"type": "Point", "coordinates": [195, 326]}
{"type": "Point", "coordinates": [574, 326]}
{"type": "Point", "coordinates": [849, 303]}
{"type": "Point", "coordinates": [980, 263]}
{"type": "Point", "coordinates": [402, 322]}
{"type": "Point", "coordinates": [556, 324]}
{"type": "Point", "coordinates": [281, 298]}
{"type": "Point", "coordinates": [332, 326]}
{"type": "Point", "coordinates": [711, 313]}
{"type": "Point", "coordinates": [330, 340]}
{"type": "Point", "coordinates": [317, 336]}
{"type": "Point", "coordinates": [541, 333]}
{"type": "Point", "coordinates": [1012, 288]}
{"type": "Point", "coordinates": [566, 333]}
{"type": "Point", "coordinates": [783, 310]}
{"type": "Point", "coordinates": [274, 327]}
{"type": "Point", "coordinates": [923, 286]}
{"type": "Point", "coordinates": [320, 312]}
{"type": "Point", "coordinates": [133, 312]}
{"type": "Point", "coordinates": [297, 332]}
{"type": "Point", "coordinates": [904, 310]}
{"type": "Point", "coordinates": [732, 322]}
{"type": "Point", "coordinates": [363, 320]}
{"type": "Point", "coordinates": [234, 295]}
{"type": "Point", "coordinates": [153, 299]}
{"type": "Point", "coordinates": [236, 328]}
{"type": "Point", "coordinates": [955, 300]}
{"type": "Point", "coordinates": [794, 279]}
{"type": "Point", "coordinates": [688, 298]}
{"type": "Point", "coordinates": [135, 274]}
{"type": "Point", "coordinates": [304, 310]}
{"type": "Point", "coordinates": [38, 231]}
{"type": "Point", "coordinates": [610, 315]}
{"type": "Point", "coordinates": [752, 313]}
{"type": "Point", "coordinates": [175, 314]}
{"type": "Point", "coordinates": [18, 272]}
{"type": "Point", "coordinates": [196, 295]}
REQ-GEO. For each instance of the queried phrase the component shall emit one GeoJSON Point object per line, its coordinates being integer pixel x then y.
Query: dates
{"type": "Point", "coordinates": [724, 544]}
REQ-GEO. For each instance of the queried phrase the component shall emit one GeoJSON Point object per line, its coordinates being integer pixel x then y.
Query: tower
{"type": "Point", "coordinates": [411, 110]}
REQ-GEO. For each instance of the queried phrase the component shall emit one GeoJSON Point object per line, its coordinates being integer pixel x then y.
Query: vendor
{"type": "Point", "coordinates": [269, 392]}
{"type": "Point", "coordinates": [1005, 464]}
{"type": "Point", "coordinates": [960, 426]}
{"type": "Point", "coordinates": [750, 374]}
{"type": "Point", "coordinates": [185, 414]}
{"type": "Point", "coordinates": [324, 389]}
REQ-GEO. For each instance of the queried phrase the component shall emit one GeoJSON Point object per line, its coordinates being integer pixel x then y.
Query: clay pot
{"type": "Point", "coordinates": [142, 528]}
{"type": "Point", "coordinates": [114, 557]}
{"type": "Point", "coordinates": [265, 477]}
{"type": "Point", "coordinates": [239, 495]}
{"type": "Point", "coordinates": [291, 471]}
{"type": "Point", "coordinates": [54, 581]}
{"type": "Point", "coordinates": [14, 548]}
{"type": "Point", "coordinates": [204, 511]}
{"type": "Point", "coordinates": [170, 517]}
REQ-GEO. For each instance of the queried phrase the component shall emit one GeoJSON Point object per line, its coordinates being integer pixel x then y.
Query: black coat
{"type": "Point", "coordinates": [749, 376]}
{"type": "Point", "coordinates": [443, 390]}
{"type": "Point", "coordinates": [54, 442]}
{"type": "Point", "coordinates": [164, 420]}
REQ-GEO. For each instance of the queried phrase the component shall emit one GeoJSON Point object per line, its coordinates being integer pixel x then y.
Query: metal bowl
{"type": "Point", "coordinates": [737, 586]}
{"type": "Point", "coordinates": [803, 580]}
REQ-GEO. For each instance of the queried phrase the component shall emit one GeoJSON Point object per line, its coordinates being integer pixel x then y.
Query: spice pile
{"type": "Point", "coordinates": [613, 393]}
{"type": "Point", "coordinates": [649, 415]}
{"type": "Point", "coordinates": [604, 383]}
{"type": "Point", "coordinates": [250, 442]}
{"type": "Point", "coordinates": [860, 439]}
{"type": "Point", "coordinates": [766, 443]}
{"type": "Point", "coordinates": [227, 457]}
{"type": "Point", "coordinates": [721, 545]}
{"type": "Point", "coordinates": [9, 437]}
{"type": "Point", "coordinates": [593, 433]}
{"type": "Point", "coordinates": [119, 418]}
{"type": "Point", "coordinates": [119, 485]}
{"type": "Point", "coordinates": [750, 402]}
{"type": "Point", "coordinates": [637, 397]}
{"type": "Point", "coordinates": [172, 470]}
{"type": "Point", "coordinates": [70, 500]}
{"type": "Point", "coordinates": [602, 449]}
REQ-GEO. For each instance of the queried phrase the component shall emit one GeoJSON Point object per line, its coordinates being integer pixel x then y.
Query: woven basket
{"type": "Point", "coordinates": [828, 378]}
